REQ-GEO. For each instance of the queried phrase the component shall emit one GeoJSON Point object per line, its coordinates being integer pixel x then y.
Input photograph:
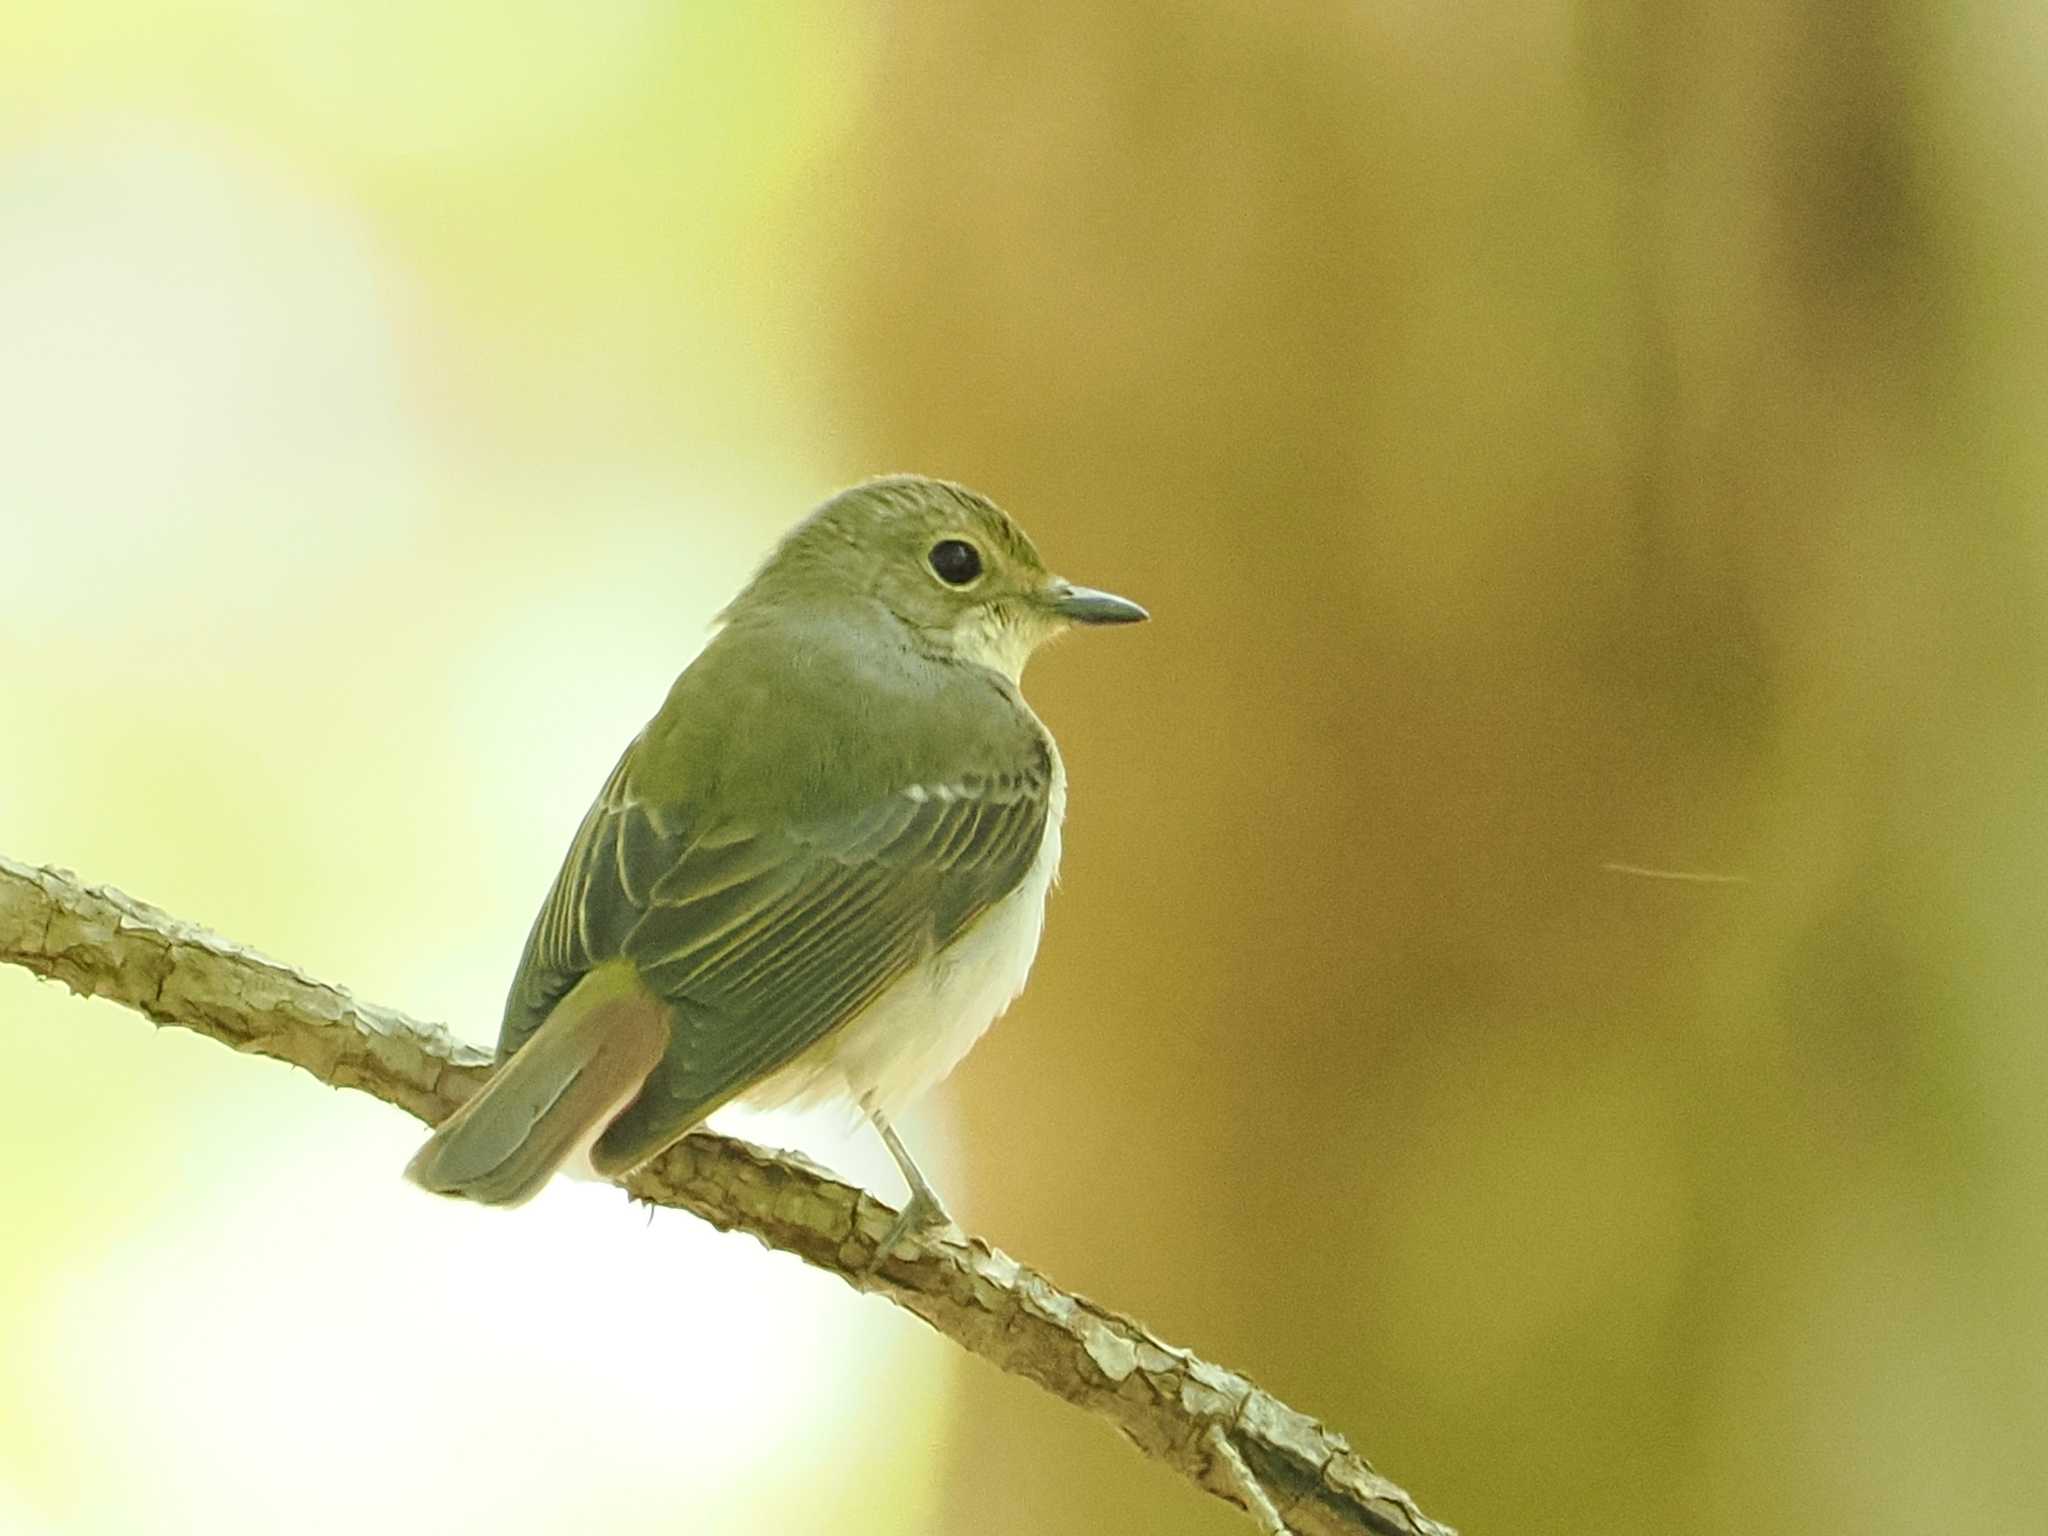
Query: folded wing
{"type": "Point", "coordinates": [764, 939]}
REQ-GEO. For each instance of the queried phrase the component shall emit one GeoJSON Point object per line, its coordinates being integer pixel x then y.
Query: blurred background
{"type": "Point", "coordinates": [1550, 437]}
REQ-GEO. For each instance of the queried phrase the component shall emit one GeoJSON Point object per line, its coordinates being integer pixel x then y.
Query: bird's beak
{"type": "Point", "coordinates": [1085, 605]}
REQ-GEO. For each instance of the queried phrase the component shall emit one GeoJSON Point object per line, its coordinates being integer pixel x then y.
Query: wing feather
{"type": "Point", "coordinates": [564, 941]}
{"type": "Point", "coordinates": [765, 925]}
{"type": "Point", "coordinates": [835, 914]}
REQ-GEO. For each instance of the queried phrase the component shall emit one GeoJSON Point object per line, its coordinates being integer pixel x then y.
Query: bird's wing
{"type": "Point", "coordinates": [763, 937]}
{"type": "Point", "coordinates": [768, 939]}
{"type": "Point", "coordinates": [586, 915]}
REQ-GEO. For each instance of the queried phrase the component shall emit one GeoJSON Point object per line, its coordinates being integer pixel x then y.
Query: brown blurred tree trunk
{"type": "Point", "coordinates": [1533, 432]}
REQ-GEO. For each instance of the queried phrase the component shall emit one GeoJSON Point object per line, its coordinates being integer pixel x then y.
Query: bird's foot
{"type": "Point", "coordinates": [923, 1217]}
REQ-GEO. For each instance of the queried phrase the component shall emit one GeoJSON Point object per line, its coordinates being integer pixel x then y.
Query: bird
{"type": "Point", "coordinates": [818, 873]}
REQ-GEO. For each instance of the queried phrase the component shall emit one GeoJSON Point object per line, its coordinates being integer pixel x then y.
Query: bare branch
{"type": "Point", "coordinates": [1214, 1426]}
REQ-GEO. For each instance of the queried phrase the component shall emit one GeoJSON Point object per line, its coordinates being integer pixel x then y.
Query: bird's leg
{"type": "Point", "coordinates": [923, 1212]}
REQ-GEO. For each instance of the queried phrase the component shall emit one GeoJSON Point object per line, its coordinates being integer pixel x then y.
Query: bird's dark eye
{"type": "Point", "coordinates": [955, 561]}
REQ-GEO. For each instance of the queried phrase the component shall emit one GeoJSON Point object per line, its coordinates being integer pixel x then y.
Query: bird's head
{"type": "Point", "coordinates": [947, 563]}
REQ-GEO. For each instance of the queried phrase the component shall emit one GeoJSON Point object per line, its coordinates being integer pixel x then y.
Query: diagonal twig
{"type": "Point", "coordinates": [1216, 1427]}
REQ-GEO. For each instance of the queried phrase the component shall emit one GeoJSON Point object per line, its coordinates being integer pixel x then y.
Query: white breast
{"type": "Point", "coordinates": [917, 1031]}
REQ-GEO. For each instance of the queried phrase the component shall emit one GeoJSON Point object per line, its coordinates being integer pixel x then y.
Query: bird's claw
{"type": "Point", "coordinates": [923, 1216]}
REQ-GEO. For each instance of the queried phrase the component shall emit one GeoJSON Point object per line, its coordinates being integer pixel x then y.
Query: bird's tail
{"type": "Point", "coordinates": [557, 1092]}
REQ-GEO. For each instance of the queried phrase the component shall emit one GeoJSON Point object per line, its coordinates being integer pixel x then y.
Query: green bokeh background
{"type": "Point", "coordinates": [1550, 437]}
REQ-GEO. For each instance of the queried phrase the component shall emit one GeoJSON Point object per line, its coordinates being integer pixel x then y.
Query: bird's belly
{"type": "Point", "coordinates": [916, 1032]}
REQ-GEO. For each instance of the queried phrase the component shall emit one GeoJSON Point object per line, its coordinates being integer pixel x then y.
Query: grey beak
{"type": "Point", "coordinates": [1085, 605]}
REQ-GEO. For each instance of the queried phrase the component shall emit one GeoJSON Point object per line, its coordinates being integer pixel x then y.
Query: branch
{"type": "Point", "coordinates": [1213, 1426]}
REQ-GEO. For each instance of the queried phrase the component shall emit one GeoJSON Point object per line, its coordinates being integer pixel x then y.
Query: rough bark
{"type": "Point", "coordinates": [1216, 1427]}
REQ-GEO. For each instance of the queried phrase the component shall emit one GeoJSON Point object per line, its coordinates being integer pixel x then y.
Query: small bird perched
{"type": "Point", "coordinates": [819, 871]}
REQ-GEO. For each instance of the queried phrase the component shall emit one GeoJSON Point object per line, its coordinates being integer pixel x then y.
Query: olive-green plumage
{"type": "Point", "coordinates": [836, 793]}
